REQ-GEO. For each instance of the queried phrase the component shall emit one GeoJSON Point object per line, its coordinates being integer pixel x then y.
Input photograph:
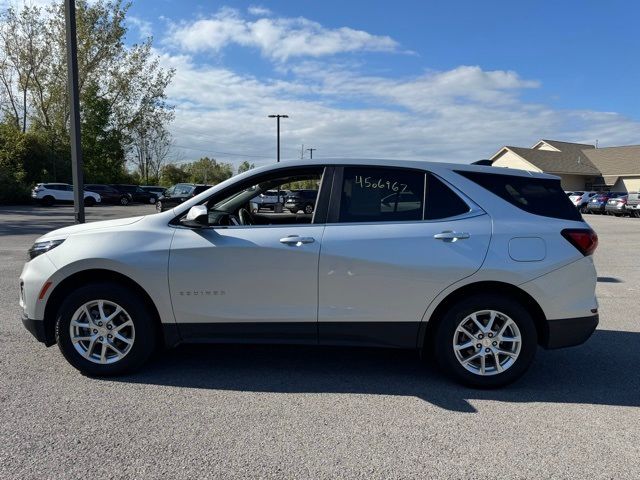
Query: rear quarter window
{"type": "Point", "coordinates": [539, 196]}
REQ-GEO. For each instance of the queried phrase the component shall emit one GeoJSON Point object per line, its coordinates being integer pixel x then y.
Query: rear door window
{"type": "Point", "coordinates": [540, 196]}
{"type": "Point", "coordinates": [372, 194]}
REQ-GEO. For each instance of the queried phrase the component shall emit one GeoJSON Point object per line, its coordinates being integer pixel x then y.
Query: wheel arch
{"type": "Point", "coordinates": [164, 336]}
{"type": "Point", "coordinates": [428, 326]}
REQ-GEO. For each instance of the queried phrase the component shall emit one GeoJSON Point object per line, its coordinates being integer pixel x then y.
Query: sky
{"type": "Point", "coordinates": [450, 80]}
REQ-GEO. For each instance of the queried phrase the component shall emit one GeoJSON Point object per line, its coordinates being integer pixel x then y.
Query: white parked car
{"type": "Point", "coordinates": [581, 199]}
{"type": "Point", "coordinates": [50, 193]}
{"type": "Point", "coordinates": [474, 264]}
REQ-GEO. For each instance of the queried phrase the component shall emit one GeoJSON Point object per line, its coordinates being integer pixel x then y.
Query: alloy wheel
{"type": "Point", "coordinates": [487, 342]}
{"type": "Point", "coordinates": [102, 331]}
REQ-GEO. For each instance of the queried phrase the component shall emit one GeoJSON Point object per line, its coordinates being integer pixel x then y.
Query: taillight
{"type": "Point", "coordinates": [584, 239]}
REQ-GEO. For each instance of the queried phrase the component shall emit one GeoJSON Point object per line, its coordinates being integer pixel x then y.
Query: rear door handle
{"type": "Point", "coordinates": [296, 240]}
{"type": "Point", "coordinates": [450, 236]}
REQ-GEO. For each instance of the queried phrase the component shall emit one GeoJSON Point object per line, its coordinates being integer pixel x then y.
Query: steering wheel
{"type": "Point", "coordinates": [245, 217]}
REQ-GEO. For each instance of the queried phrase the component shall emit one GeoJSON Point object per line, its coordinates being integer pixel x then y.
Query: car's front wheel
{"type": "Point", "coordinates": [486, 341]}
{"type": "Point", "coordinates": [105, 329]}
{"type": "Point", "coordinates": [124, 200]}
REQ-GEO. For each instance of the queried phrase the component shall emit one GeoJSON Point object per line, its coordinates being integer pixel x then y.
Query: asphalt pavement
{"type": "Point", "coordinates": [300, 412]}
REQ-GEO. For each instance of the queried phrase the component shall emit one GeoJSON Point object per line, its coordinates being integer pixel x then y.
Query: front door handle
{"type": "Point", "coordinates": [450, 236]}
{"type": "Point", "coordinates": [296, 240]}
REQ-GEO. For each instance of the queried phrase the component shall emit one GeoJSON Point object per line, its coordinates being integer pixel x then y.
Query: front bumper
{"type": "Point", "coordinates": [36, 327]}
{"type": "Point", "coordinates": [568, 332]}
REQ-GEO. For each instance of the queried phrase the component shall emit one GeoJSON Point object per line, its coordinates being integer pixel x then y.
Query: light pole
{"type": "Point", "coordinates": [74, 100]}
{"type": "Point", "coordinates": [278, 117]}
{"type": "Point", "coordinates": [310, 150]}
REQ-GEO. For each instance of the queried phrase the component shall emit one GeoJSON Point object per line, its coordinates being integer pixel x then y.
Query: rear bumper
{"type": "Point", "coordinates": [568, 332]}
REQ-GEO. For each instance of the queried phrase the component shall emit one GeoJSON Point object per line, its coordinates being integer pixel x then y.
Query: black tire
{"type": "Point", "coordinates": [444, 335]}
{"type": "Point", "coordinates": [48, 201]}
{"type": "Point", "coordinates": [143, 321]}
{"type": "Point", "coordinates": [159, 206]}
{"type": "Point", "coordinates": [124, 200]}
{"type": "Point", "coordinates": [308, 208]}
{"type": "Point", "coordinates": [152, 200]}
{"type": "Point", "coordinates": [89, 201]}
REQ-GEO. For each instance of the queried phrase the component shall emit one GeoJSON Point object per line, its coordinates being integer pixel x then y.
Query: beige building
{"type": "Point", "coordinates": [580, 166]}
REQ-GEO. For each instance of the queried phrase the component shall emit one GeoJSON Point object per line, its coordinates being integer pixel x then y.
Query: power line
{"type": "Point", "coordinates": [231, 154]}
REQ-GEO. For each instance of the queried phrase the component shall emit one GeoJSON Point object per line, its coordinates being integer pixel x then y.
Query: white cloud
{"type": "Point", "coordinates": [277, 38]}
{"type": "Point", "coordinates": [458, 115]}
{"type": "Point", "coordinates": [143, 26]}
{"type": "Point", "coordinates": [258, 11]}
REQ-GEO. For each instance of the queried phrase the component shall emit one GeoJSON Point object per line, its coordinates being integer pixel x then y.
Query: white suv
{"type": "Point", "coordinates": [50, 193]}
{"type": "Point", "coordinates": [581, 199]}
{"type": "Point", "coordinates": [472, 264]}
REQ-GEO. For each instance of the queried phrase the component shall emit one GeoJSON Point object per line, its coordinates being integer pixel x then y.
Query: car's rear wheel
{"type": "Point", "coordinates": [124, 200]}
{"type": "Point", "coordinates": [48, 201]}
{"type": "Point", "coordinates": [89, 201]}
{"type": "Point", "coordinates": [152, 200]}
{"type": "Point", "coordinates": [308, 208]}
{"type": "Point", "coordinates": [105, 329]}
{"type": "Point", "coordinates": [486, 341]}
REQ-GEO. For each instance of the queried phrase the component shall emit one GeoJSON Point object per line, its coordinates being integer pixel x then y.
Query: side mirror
{"type": "Point", "coordinates": [198, 216]}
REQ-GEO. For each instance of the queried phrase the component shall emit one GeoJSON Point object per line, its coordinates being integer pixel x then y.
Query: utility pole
{"type": "Point", "coordinates": [278, 117]}
{"type": "Point", "coordinates": [310, 150]}
{"type": "Point", "coordinates": [302, 152]}
{"type": "Point", "coordinates": [74, 99]}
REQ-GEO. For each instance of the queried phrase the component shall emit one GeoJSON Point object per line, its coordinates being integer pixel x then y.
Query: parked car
{"type": "Point", "coordinates": [49, 193]}
{"type": "Point", "coordinates": [304, 200]}
{"type": "Point", "coordinates": [633, 204]}
{"type": "Point", "coordinates": [136, 193]}
{"type": "Point", "coordinates": [269, 199]}
{"type": "Point", "coordinates": [177, 194]}
{"type": "Point", "coordinates": [108, 194]}
{"type": "Point", "coordinates": [470, 275]}
{"type": "Point", "coordinates": [581, 199]}
{"type": "Point", "coordinates": [598, 202]}
{"type": "Point", "coordinates": [157, 191]}
{"type": "Point", "coordinates": [616, 206]}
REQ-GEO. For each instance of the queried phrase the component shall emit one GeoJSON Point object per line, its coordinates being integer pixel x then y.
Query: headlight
{"type": "Point", "coordinates": [41, 247]}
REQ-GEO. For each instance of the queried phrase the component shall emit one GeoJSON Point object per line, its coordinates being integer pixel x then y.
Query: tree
{"type": "Point", "coordinates": [172, 174]}
{"type": "Point", "coordinates": [103, 152]}
{"type": "Point", "coordinates": [245, 166]}
{"type": "Point", "coordinates": [124, 110]}
{"type": "Point", "coordinates": [208, 170]}
{"type": "Point", "coordinates": [12, 153]}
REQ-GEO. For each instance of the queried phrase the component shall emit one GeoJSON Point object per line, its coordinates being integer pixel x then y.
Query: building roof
{"type": "Point", "coordinates": [618, 161]}
{"type": "Point", "coordinates": [581, 158]}
{"type": "Point", "coordinates": [563, 146]}
{"type": "Point", "coordinates": [570, 160]}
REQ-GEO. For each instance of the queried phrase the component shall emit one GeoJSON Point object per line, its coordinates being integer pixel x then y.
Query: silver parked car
{"type": "Point", "coordinates": [464, 262]}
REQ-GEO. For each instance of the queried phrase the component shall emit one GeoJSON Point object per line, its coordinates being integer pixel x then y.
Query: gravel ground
{"type": "Point", "coordinates": [290, 412]}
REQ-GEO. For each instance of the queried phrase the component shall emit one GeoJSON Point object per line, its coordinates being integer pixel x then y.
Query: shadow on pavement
{"type": "Point", "coordinates": [603, 371]}
{"type": "Point", "coordinates": [609, 280]}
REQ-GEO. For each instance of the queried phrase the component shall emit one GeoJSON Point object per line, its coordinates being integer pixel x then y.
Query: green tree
{"type": "Point", "coordinates": [208, 170]}
{"type": "Point", "coordinates": [245, 166]}
{"type": "Point", "coordinates": [103, 152]}
{"type": "Point", "coordinates": [172, 174]}
{"type": "Point", "coordinates": [124, 110]}
{"type": "Point", "coordinates": [12, 153]}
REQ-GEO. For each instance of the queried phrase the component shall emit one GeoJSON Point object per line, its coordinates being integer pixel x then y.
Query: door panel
{"type": "Point", "coordinates": [244, 284]}
{"type": "Point", "coordinates": [376, 280]}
